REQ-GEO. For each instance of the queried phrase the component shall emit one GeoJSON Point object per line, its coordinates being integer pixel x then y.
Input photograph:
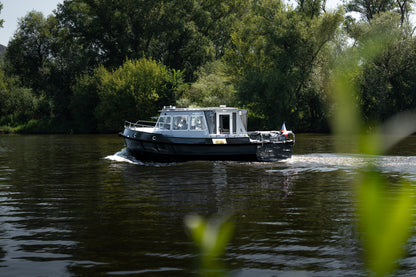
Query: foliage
{"type": "Point", "coordinates": [137, 89]}
{"type": "Point", "coordinates": [388, 82]}
{"type": "Point", "coordinates": [212, 88]}
{"type": "Point", "coordinates": [30, 59]}
{"type": "Point", "coordinates": [274, 55]}
{"type": "Point", "coordinates": [263, 55]}
{"type": "Point", "coordinates": [85, 100]}
{"type": "Point", "coordinates": [1, 20]}
{"type": "Point", "coordinates": [17, 109]}
{"type": "Point", "coordinates": [368, 9]}
{"type": "Point", "coordinates": [18, 105]}
{"type": "Point", "coordinates": [184, 34]}
{"type": "Point", "coordinates": [29, 50]}
{"type": "Point", "coordinates": [49, 54]}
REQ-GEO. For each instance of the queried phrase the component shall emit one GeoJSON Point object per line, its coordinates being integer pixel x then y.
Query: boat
{"type": "Point", "coordinates": [213, 133]}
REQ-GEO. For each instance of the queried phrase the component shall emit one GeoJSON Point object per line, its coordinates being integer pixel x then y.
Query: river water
{"type": "Point", "coordinates": [78, 205]}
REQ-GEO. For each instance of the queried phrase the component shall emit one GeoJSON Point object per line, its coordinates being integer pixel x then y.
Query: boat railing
{"type": "Point", "coordinates": [271, 136]}
{"type": "Point", "coordinates": [140, 124]}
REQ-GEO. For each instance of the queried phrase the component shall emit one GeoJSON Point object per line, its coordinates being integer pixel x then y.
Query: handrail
{"type": "Point", "coordinates": [139, 124]}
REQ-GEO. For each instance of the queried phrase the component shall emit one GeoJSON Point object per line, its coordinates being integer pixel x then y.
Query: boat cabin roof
{"type": "Point", "coordinates": [221, 108]}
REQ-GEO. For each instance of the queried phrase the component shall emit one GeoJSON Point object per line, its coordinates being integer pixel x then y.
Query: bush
{"type": "Point", "coordinates": [136, 90]}
{"type": "Point", "coordinates": [17, 106]}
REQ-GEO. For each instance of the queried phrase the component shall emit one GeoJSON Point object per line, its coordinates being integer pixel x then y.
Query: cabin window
{"type": "Point", "coordinates": [197, 123]}
{"type": "Point", "coordinates": [180, 122]}
{"type": "Point", "coordinates": [243, 119]}
{"type": "Point", "coordinates": [211, 121]}
{"type": "Point", "coordinates": [224, 123]}
{"type": "Point", "coordinates": [163, 123]}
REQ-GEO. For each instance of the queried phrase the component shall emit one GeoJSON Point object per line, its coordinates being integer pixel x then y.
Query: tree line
{"type": "Point", "coordinates": [93, 64]}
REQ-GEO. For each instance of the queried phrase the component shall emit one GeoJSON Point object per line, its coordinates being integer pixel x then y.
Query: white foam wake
{"type": "Point", "coordinates": [123, 157]}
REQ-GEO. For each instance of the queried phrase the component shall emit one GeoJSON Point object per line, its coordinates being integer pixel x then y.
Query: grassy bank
{"type": "Point", "coordinates": [42, 126]}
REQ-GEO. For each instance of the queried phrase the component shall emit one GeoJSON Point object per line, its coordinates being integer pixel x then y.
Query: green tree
{"type": "Point", "coordinates": [85, 100]}
{"type": "Point", "coordinates": [33, 57]}
{"type": "Point", "coordinates": [311, 8]}
{"type": "Point", "coordinates": [275, 52]}
{"type": "Point", "coordinates": [27, 71]}
{"type": "Point", "coordinates": [369, 8]}
{"type": "Point", "coordinates": [217, 19]}
{"type": "Point", "coordinates": [108, 30]}
{"type": "Point", "coordinates": [387, 83]}
{"type": "Point", "coordinates": [211, 89]}
{"type": "Point", "coordinates": [135, 90]}
{"type": "Point", "coordinates": [183, 34]}
{"type": "Point", "coordinates": [29, 50]}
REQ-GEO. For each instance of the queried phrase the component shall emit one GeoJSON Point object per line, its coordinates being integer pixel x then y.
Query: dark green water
{"type": "Point", "coordinates": [80, 206]}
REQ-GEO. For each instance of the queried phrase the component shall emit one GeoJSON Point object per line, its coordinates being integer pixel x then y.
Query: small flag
{"type": "Point", "coordinates": [284, 129]}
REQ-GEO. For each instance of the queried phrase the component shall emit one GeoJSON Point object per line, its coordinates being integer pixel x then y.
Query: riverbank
{"type": "Point", "coordinates": [43, 126]}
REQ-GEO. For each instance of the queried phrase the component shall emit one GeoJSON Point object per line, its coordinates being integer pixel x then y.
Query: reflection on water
{"type": "Point", "coordinates": [81, 206]}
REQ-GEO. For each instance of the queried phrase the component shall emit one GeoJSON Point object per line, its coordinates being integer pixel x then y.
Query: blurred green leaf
{"type": "Point", "coordinates": [385, 217]}
{"type": "Point", "coordinates": [211, 236]}
{"type": "Point", "coordinates": [385, 221]}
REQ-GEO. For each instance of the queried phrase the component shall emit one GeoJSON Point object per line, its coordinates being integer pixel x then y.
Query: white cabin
{"type": "Point", "coordinates": [202, 122]}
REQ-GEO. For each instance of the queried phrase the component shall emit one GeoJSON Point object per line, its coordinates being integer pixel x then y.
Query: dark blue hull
{"type": "Point", "coordinates": [156, 147]}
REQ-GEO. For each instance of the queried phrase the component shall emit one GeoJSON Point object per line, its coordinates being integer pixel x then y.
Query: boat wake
{"type": "Point", "coordinates": [316, 162]}
{"type": "Point", "coordinates": [323, 162]}
{"type": "Point", "coordinates": [124, 156]}
{"type": "Point", "coordinates": [326, 162]}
